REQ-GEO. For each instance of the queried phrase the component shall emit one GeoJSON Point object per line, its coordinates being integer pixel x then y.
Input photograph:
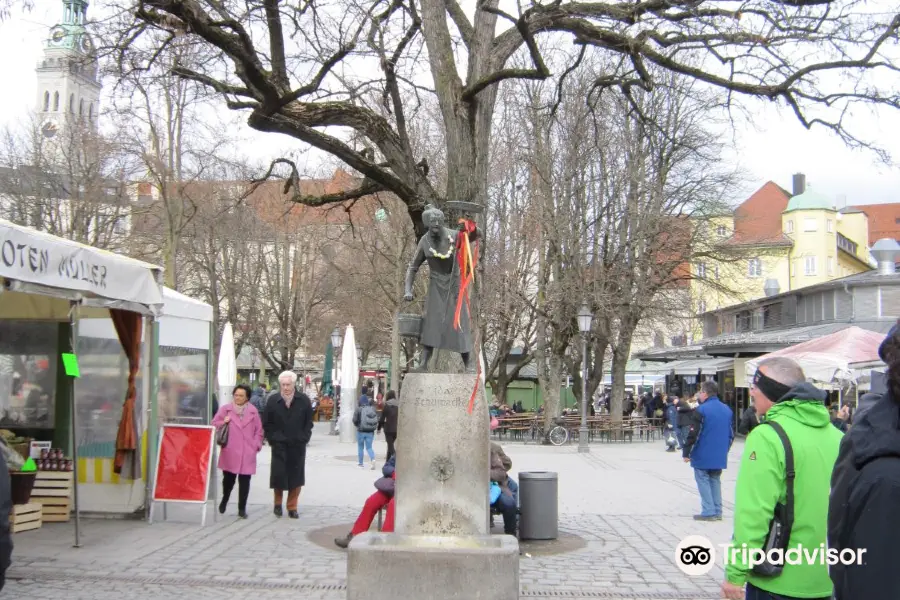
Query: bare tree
{"type": "Point", "coordinates": [289, 67]}
{"type": "Point", "coordinates": [509, 261]}
{"type": "Point", "coordinates": [69, 181]}
{"type": "Point", "coordinates": [161, 122]}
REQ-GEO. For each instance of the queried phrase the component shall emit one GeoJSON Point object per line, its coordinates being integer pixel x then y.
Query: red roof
{"type": "Point", "coordinates": [758, 219]}
{"type": "Point", "coordinates": [884, 220]}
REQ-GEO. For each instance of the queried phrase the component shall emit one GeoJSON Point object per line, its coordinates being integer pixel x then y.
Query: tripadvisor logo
{"type": "Point", "coordinates": [695, 555]}
{"type": "Point", "coordinates": [797, 555]}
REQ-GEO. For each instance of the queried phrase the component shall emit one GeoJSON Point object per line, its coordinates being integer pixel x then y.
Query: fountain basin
{"type": "Point", "coordinates": [392, 566]}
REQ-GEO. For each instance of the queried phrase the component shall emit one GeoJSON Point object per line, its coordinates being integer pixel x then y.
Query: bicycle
{"type": "Point", "coordinates": [556, 436]}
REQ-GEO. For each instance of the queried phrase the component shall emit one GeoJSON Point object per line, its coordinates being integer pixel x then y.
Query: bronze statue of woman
{"type": "Point", "coordinates": [438, 247]}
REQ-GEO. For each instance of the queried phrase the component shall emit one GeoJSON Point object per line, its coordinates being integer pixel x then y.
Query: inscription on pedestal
{"type": "Point", "coordinates": [443, 456]}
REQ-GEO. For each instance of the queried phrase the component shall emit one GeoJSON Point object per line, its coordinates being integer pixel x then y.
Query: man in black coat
{"type": "Point", "coordinates": [863, 511]}
{"type": "Point", "coordinates": [288, 424]}
{"type": "Point", "coordinates": [685, 418]}
{"type": "Point", "coordinates": [388, 421]}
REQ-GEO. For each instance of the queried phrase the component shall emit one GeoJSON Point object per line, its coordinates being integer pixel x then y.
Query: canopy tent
{"type": "Point", "coordinates": [182, 368]}
{"type": "Point", "coordinates": [828, 359]}
{"type": "Point", "coordinates": [58, 271]}
{"type": "Point", "coordinates": [48, 278]}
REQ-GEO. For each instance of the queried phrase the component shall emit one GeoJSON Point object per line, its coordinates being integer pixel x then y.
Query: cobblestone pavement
{"type": "Point", "coordinates": [631, 502]}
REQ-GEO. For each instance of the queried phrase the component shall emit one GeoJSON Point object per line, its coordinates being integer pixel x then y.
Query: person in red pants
{"type": "Point", "coordinates": [374, 503]}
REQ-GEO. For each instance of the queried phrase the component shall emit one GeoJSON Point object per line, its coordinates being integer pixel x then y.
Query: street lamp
{"type": "Point", "coordinates": [584, 326]}
{"type": "Point", "coordinates": [335, 345]}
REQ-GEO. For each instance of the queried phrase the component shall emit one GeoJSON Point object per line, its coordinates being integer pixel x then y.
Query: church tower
{"type": "Point", "coordinates": [68, 85]}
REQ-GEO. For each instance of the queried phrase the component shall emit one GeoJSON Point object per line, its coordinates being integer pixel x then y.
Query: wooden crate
{"type": "Point", "coordinates": [53, 491]}
{"type": "Point", "coordinates": [24, 517]}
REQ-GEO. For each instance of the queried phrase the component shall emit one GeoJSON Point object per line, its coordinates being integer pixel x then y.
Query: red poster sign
{"type": "Point", "coordinates": [183, 463]}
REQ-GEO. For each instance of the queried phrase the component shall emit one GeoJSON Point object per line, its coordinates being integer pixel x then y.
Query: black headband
{"type": "Point", "coordinates": [774, 390]}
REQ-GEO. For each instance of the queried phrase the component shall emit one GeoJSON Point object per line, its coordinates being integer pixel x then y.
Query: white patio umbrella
{"type": "Point", "coordinates": [227, 371]}
{"type": "Point", "coordinates": [349, 380]}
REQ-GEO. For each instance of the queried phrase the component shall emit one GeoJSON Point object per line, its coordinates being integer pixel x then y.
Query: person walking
{"type": "Point", "coordinates": [685, 416]}
{"type": "Point", "coordinates": [237, 459]}
{"type": "Point", "coordinates": [865, 491]}
{"type": "Point", "coordinates": [796, 409]}
{"type": "Point", "coordinates": [388, 421]}
{"type": "Point", "coordinates": [288, 425]}
{"type": "Point", "coordinates": [671, 425]}
{"type": "Point", "coordinates": [365, 419]}
{"type": "Point", "coordinates": [706, 449]}
{"type": "Point", "coordinates": [749, 420]}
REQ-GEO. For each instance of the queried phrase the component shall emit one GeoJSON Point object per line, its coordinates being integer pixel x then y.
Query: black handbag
{"type": "Point", "coordinates": [222, 435]}
{"type": "Point", "coordinates": [782, 522]}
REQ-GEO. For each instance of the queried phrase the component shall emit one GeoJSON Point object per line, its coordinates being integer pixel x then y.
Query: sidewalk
{"type": "Point", "coordinates": [630, 503]}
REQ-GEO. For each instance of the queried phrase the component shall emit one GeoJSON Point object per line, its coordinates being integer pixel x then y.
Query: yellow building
{"type": "Point", "coordinates": [776, 242]}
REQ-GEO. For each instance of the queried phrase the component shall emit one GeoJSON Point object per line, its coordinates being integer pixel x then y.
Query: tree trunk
{"type": "Point", "coordinates": [621, 353]}
{"type": "Point", "coordinates": [169, 262]}
{"type": "Point", "coordinates": [551, 384]}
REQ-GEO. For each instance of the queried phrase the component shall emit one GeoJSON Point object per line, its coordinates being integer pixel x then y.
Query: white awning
{"type": "Point", "coordinates": [34, 262]}
{"type": "Point", "coordinates": [708, 366]}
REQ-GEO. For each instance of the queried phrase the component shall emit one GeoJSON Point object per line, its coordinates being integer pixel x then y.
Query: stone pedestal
{"type": "Point", "coordinates": [388, 566]}
{"type": "Point", "coordinates": [443, 457]}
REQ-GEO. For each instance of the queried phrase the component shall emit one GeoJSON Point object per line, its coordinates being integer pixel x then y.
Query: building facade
{"type": "Point", "coordinates": [782, 241]}
{"type": "Point", "coordinates": [68, 87]}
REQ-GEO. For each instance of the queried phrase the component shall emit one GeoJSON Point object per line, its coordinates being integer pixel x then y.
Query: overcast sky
{"type": "Point", "coordinates": [772, 148]}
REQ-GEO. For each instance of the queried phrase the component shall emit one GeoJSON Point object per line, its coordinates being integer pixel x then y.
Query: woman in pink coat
{"type": "Point", "coordinates": [245, 437]}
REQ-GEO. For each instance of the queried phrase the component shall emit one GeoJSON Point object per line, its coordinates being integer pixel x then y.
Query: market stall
{"type": "Point", "coordinates": [48, 285]}
{"type": "Point", "coordinates": [828, 360]}
{"type": "Point", "coordinates": [183, 384]}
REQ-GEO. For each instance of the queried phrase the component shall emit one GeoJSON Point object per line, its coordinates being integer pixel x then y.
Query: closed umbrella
{"type": "Point", "coordinates": [227, 372]}
{"type": "Point", "coordinates": [326, 371]}
{"type": "Point", "coordinates": [349, 377]}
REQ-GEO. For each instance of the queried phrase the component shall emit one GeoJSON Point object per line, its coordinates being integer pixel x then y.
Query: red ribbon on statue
{"type": "Point", "coordinates": [467, 258]}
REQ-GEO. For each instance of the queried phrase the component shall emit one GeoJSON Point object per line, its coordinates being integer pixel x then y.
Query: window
{"type": "Point", "coordinates": [829, 226]}
{"type": "Point", "coordinates": [120, 226]}
{"type": "Point", "coordinates": [809, 265]}
{"type": "Point", "coordinates": [831, 265]}
{"type": "Point", "coordinates": [789, 227]}
{"type": "Point", "coordinates": [742, 321]}
{"type": "Point", "coordinates": [72, 103]}
{"type": "Point", "coordinates": [772, 316]}
{"type": "Point", "coordinates": [46, 101]}
{"type": "Point", "coordinates": [701, 270]}
{"type": "Point", "coordinates": [81, 107]}
{"type": "Point", "coordinates": [55, 101]}
{"type": "Point", "coordinates": [702, 306]}
{"type": "Point", "coordinates": [716, 272]}
{"type": "Point", "coordinates": [721, 231]}
{"type": "Point", "coordinates": [810, 225]}
{"type": "Point", "coordinates": [91, 111]}
{"type": "Point", "coordinates": [754, 267]}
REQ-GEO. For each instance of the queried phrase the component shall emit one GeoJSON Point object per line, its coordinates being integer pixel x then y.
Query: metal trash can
{"type": "Point", "coordinates": [538, 505]}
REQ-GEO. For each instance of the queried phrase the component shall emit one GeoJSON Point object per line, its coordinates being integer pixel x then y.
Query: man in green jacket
{"type": "Point", "coordinates": [781, 394]}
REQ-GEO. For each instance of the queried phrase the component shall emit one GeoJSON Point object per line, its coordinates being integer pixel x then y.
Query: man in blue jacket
{"type": "Point", "coordinates": [706, 448]}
